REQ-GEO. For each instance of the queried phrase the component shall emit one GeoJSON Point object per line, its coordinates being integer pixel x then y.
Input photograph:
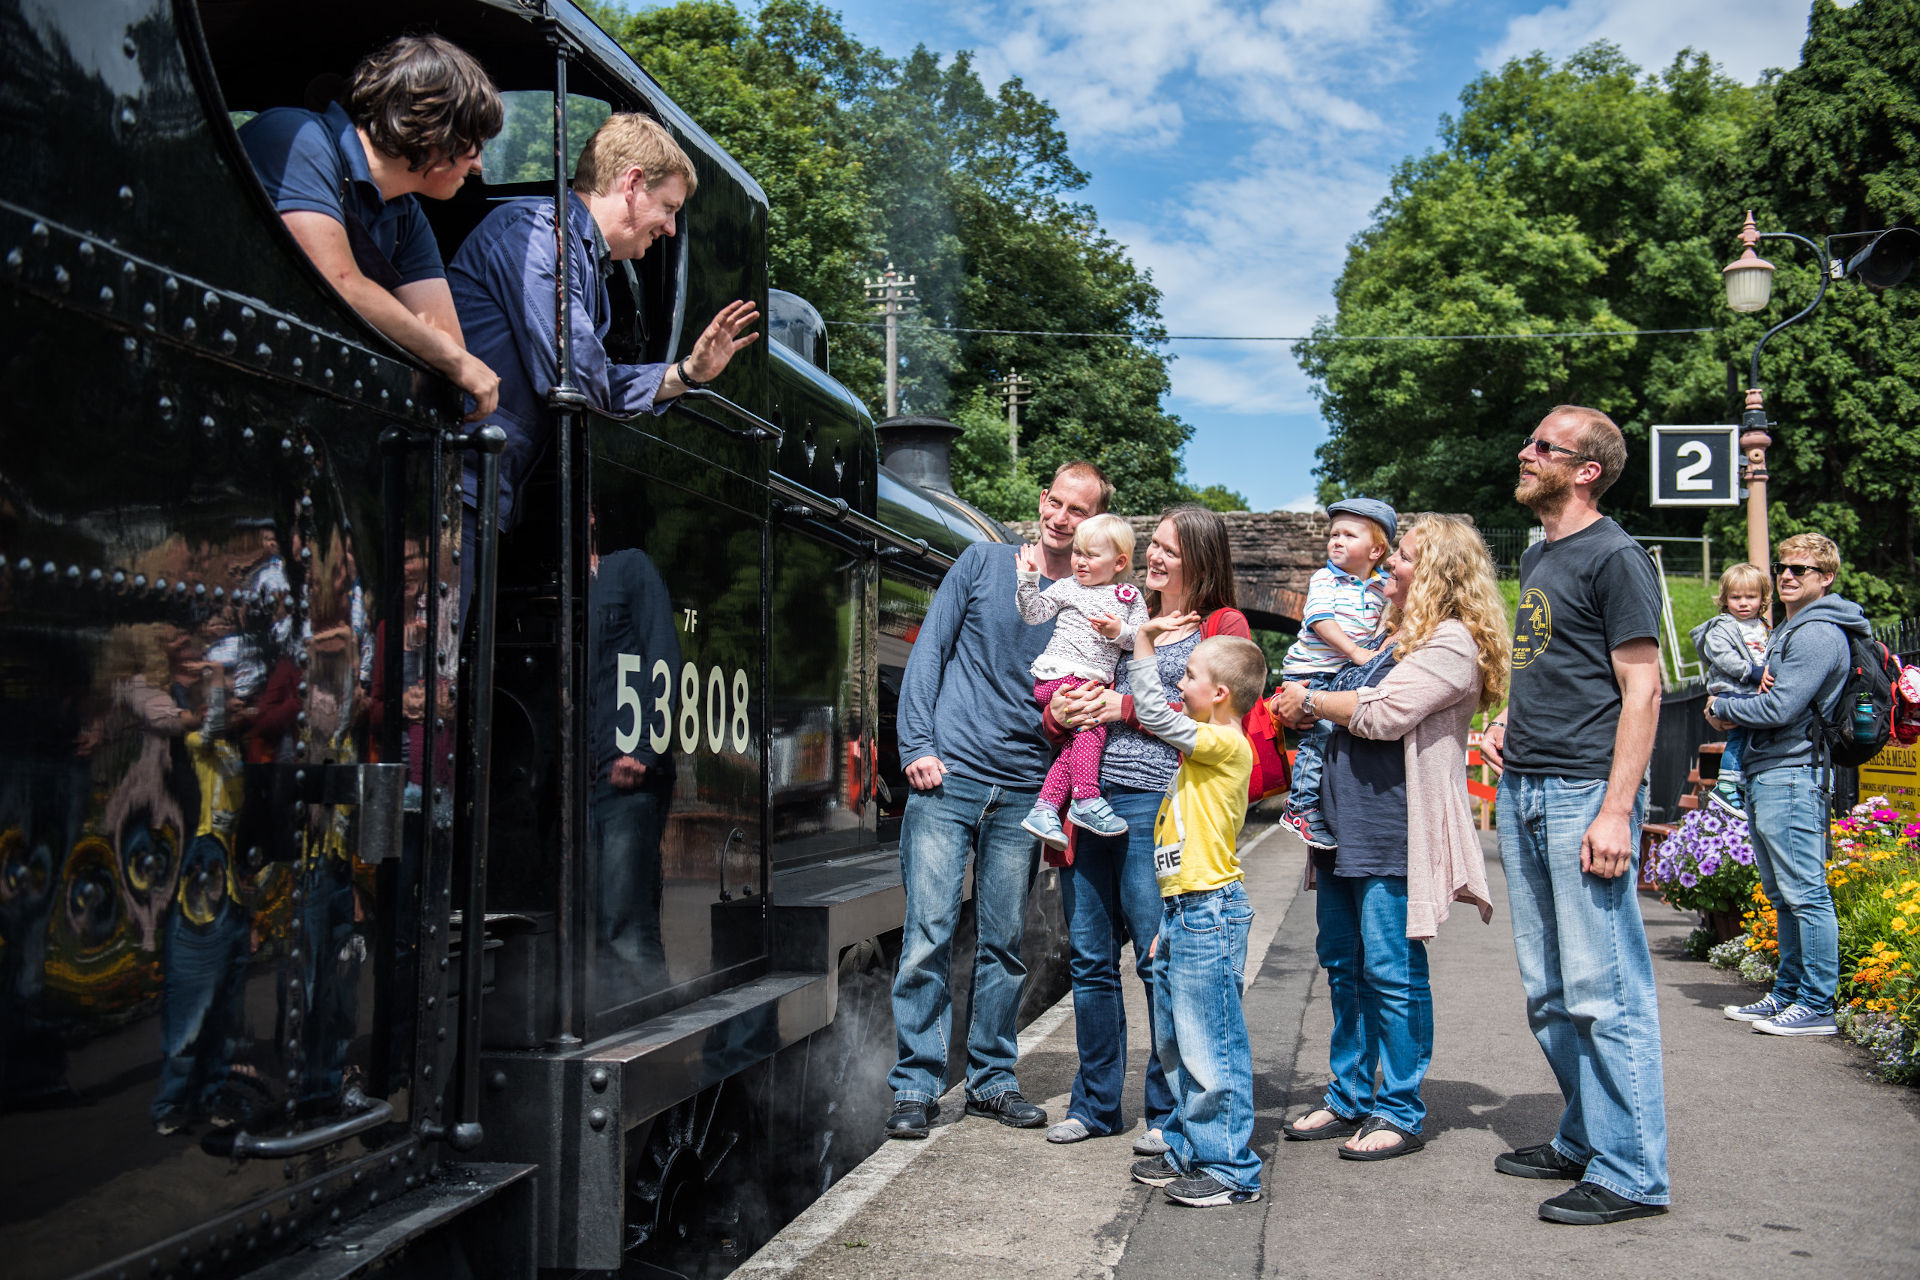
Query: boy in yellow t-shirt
{"type": "Point", "coordinates": [1200, 1037]}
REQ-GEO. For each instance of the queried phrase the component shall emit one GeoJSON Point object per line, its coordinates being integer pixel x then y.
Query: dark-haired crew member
{"type": "Point", "coordinates": [344, 180]}
{"type": "Point", "coordinates": [628, 188]}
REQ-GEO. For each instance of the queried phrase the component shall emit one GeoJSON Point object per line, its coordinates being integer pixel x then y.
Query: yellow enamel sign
{"type": "Point", "coordinates": [1895, 774]}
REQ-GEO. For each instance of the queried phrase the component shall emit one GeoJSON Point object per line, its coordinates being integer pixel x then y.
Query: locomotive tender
{"type": "Point", "coordinates": [324, 941]}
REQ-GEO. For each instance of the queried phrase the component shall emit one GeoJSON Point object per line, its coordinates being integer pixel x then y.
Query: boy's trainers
{"type": "Point", "coordinates": [1728, 798]}
{"type": "Point", "coordinates": [1096, 815]}
{"type": "Point", "coordinates": [1157, 1172]}
{"type": "Point", "coordinates": [1204, 1191]}
{"type": "Point", "coordinates": [1307, 824]}
{"type": "Point", "coordinates": [1765, 1007]}
{"type": "Point", "coordinates": [1798, 1020]}
{"type": "Point", "coordinates": [1043, 821]}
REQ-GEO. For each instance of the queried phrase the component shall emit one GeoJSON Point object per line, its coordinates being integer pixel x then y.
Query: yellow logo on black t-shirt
{"type": "Point", "coordinates": [1533, 629]}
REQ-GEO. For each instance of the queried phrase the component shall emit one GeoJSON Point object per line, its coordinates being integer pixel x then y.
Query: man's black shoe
{"type": "Point", "coordinates": [1591, 1205]}
{"type": "Point", "coordinates": [1008, 1108]}
{"type": "Point", "coordinates": [1543, 1161]}
{"type": "Point", "coordinates": [910, 1119]}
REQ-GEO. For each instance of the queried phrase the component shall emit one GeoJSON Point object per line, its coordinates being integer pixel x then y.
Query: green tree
{"type": "Point", "coordinates": [1217, 497]}
{"type": "Point", "coordinates": [1840, 153]}
{"type": "Point", "coordinates": [867, 160]}
{"type": "Point", "coordinates": [1569, 198]}
{"type": "Point", "coordinates": [1585, 196]}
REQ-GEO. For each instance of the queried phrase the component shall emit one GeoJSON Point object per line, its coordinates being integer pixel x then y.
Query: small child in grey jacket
{"type": "Point", "coordinates": [1733, 645]}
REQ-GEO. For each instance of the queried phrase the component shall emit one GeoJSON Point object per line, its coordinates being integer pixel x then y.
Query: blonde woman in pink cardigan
{"type": "Point", "coordinates": [1394, 791]}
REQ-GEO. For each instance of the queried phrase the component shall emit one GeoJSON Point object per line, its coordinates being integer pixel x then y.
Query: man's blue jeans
{"type": "Point", "coordinates": [1202, 1035]}
{"type": "Point", "coordinates": [1787, 814]}
{"type": "Point", "coordinates": [624, 829]}
{"type": "Point", "coordinates": [940, 829]}
{"type": "Point", "coordinates": [1382, 1005]}
{"type": "Point", "coordinates": [1110, 894]}
{"type": "Point", "coordinates": [1589, 981]}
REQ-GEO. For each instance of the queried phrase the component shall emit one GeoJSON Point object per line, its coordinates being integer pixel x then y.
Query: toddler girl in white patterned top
{"type": "Point", "coordinates": [1095, 617]}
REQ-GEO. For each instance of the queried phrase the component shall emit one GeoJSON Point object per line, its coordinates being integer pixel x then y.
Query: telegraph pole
{"type": "Point", "coordinates": [1016, 391]}
{"type": "Point", "coordinates": [891, 293]}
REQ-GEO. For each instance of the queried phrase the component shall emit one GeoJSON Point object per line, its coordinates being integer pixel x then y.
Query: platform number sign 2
{"type": "Point", "coordinates": [708, 716]}
{"type": "Point", "coordinates": [1696, 466]}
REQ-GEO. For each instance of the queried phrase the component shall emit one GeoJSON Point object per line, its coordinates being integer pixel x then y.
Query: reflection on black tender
{"type": "Point", "coordinates": [631, 640]}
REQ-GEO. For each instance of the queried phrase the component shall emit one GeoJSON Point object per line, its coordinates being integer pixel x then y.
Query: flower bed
{"type": "Point", "coordinates": [1874, 873]}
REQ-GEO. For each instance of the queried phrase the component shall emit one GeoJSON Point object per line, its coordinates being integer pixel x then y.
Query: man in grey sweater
{"type": "Point", "coordinates": [1790, 784]}
{"type": "Point", "coordinates": [971, 738]}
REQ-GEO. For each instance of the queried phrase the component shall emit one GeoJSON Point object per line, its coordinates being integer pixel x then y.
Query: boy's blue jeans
{"type": "Point", "coordinates": [1787, 815]}
{"type": "Point", "coordinates": [1730, 758]}
{"type": "Point", "coordinates": [939, 831]}
{"type": "Point", "coordinates": [1108, 895]}
{"type": "Point", "coordinates": [1588, 976]}
{"type": "Point", "coordinates": [1202, 1035]}
{"type": "Point", "coordinates": [1304, 795]}
{"type": "Point", "coordinates": [1382, 1004]}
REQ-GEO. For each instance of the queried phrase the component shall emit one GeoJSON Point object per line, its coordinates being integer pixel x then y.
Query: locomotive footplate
{"type": "Point", "coordinates": [821, 909]}
{"type": "Point", "coordinates": [501, 1235]}
{"type": "Point", "coordinates": [570, 1111]}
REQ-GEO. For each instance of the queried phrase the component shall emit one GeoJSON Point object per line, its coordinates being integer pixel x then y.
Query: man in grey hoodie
{"type": "Point", "coordinates": [1790, 783]}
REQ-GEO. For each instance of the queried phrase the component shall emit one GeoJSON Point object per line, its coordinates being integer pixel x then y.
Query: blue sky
{"type": "Point", "coordinates": [1236, 146]}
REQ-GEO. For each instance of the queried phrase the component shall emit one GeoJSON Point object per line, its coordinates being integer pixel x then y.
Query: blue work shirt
{"type": "Point", "coordinates": [967, 695]}
{"type": "Point", "coordinates": [503, 284]}
{"type": "Point", "coordinates": [312, 162]}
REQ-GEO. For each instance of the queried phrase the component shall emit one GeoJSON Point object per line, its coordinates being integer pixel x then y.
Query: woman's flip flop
{"type": "Point", "coordinates": [1339, 1127]}
{"type": "Point", "coordinates": [1408, 1144]}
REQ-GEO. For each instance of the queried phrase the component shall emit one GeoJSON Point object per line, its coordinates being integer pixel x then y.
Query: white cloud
{"type": "Point", "coordinates": [1138, 70]}
{"type": "Point", "coordinates": [1744, 36]}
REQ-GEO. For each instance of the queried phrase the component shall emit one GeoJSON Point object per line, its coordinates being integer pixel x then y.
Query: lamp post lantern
{"type": "Point", "coordinates": [1885, 260]}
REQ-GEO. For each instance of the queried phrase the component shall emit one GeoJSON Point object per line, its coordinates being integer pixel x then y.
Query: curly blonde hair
{"type": "Point", "coordinates": [1453, 578]}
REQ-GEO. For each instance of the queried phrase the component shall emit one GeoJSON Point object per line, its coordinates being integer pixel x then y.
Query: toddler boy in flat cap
{"type": "Point", "coordinates": [1345, 600]}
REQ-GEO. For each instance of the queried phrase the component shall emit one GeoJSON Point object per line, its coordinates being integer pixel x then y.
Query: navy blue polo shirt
{"type": "Point", "coordinates": [313, 163]}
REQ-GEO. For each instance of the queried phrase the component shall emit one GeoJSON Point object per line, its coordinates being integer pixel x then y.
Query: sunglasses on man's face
{"type": "Point", "coordinates": [1781, 570]}
{"type": "Point", "coordinates": [1544, 449]}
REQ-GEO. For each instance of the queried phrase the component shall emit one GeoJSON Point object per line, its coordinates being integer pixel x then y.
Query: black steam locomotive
{"type": "Point", "coordinates": [325, 942]}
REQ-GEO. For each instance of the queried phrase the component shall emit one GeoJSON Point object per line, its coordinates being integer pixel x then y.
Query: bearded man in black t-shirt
{"type": "Point", "coordinates": [1574, 742]}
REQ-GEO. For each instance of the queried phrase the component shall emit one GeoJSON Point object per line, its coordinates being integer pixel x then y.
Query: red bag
{"type": "Point", "coordinates": [1270, 771]}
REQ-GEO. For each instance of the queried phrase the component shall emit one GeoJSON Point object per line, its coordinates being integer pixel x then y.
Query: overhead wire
{"type": "Point", "coordinates": [1229, 337]}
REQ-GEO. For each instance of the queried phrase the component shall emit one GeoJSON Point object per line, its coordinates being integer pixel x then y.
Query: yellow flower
{"type": "Point", "coordinates": [1911, 886]}
{"type": "Point", "coordinates": [1899, 924]}
{"type": "Point", "coordinates": [1887, 893]}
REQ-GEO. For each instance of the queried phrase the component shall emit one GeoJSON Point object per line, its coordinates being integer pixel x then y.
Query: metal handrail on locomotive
{"type": "Point", "coordinates": [326, 937]}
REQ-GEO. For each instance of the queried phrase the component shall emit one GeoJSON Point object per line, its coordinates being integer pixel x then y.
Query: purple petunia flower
{"type": "Point", "coordinates": [1743, 856]}
{"type": "Point", "coordinates": [1688, 880]}
{"type": "Point", "coordinates": [1710, 865]}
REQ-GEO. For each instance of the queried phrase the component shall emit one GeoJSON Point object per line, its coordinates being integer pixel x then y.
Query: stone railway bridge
{"type": "Point", "coordinates": [1274, 553]}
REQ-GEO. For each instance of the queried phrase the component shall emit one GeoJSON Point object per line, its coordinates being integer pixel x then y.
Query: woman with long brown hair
{"type": "Point", "coordinates": [1394, 790]}
{"type": "Point", "coordinates": [1108, 891]}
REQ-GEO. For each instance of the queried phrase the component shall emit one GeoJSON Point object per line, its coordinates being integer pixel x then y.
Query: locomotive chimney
{"type": "Point", "coordinates": [919, 450]}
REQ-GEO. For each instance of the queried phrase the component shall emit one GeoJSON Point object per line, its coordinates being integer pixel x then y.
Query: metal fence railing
{"type": "Point", "coordinates": [1681, 555]}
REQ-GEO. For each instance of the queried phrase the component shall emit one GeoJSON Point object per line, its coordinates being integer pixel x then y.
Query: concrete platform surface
{"type": "Point", "coordinates": [1787, 1158]}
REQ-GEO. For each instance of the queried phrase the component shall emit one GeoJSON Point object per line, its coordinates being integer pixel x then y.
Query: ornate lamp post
{"type": "Point", "coordinates": [1885, 261]}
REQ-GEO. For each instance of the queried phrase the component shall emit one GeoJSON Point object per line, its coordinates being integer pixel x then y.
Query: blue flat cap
{"type": "Point", "coordinates": [1373, 509]}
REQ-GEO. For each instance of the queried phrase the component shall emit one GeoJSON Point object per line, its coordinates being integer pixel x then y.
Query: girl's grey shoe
{"type": "Point", "coordinates": [1043, 822]}
{"type": "Point", "coordinates": [1150, 1143]}
{"type": "Point", "coordinates": [1069, 1130]}
{"type": "Point", "coordinates": [1096, 815]}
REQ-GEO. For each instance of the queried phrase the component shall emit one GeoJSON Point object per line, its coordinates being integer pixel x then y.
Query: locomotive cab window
{"type": "Point", "coordinates": [329, 191]}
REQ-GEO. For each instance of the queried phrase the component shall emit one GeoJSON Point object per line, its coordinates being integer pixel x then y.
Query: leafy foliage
{"type": "Point", "coordinates": [867, 161]}
{"type": "Point", "coordinates": [1585, 196]}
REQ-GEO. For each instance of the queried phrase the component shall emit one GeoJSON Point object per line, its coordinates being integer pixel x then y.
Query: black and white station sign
{"type": "Point", "coordinates": [1696, 466]}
